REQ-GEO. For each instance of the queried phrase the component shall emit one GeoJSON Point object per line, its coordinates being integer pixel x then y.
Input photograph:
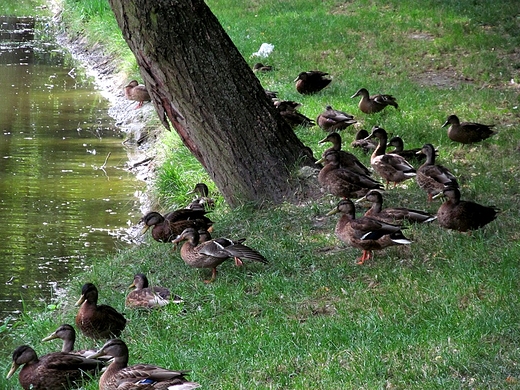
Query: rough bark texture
{"type": "Point", "coordinates": [201, 84]}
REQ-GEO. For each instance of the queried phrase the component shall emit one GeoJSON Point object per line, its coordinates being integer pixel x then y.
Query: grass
{"type": "Point", "coordinates": [440, 314]}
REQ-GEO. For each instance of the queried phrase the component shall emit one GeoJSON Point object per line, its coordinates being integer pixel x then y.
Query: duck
{"type": "Point", "coordinates": [120, 376]}
{"type": "Point", "coordinates": [167, 227]}
{"type": "Point", "coordinates": [346, 159]}
{"type": "Point", "coordinates": [365, 233]}
{"type": "Point", "coordinates": [343, 182]}
{"type": "Point", "coordinates": [334, 120]}
{"type": "Point", "coordinates": [375, 103]}
{"type": "Point", "coordinates": [361, 141]}
{"type": "Point", "coordinates": [395, 215]}
{"type": "Point", "coordinates": [54, 371]}
{"type": "Point", "coordinates": [137, 92]}
{"type": "Point", "coordinates": [467, 132]}
{"type": "Point", "coordinates": [408, 154]}
{"type": "Point", "coordinates": [67, 334]}
{"type": "Point", "coordinates": [97, 321]}
{"type": "Point", "coordinates": [286, 105]}
{"type": "Point", "coordinates": [202, 199]}
{"type": "Point", "coordinates": [144, 296]}
{"type": "Point", "coordinates": [213, 252]}
{"type": "Point", "coordinates": [391, 167]}
{"type": "Point", "coordinates": [259, 67]}
{"type": "Point", "coordinates": [463, 215]}
{"type": "Point", "coordinates": [431, 177]}
{"type": "Point", "coordinates": [311, 82]}
{"type": "Point", "coordinates": [295, 118]}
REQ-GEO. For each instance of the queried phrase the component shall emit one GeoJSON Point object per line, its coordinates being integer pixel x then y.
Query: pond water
{"type": "Point", "coordinates": [65, 196]}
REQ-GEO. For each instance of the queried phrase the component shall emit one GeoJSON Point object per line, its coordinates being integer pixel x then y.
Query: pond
{"type": "Point", "coordinates": [65, 196]}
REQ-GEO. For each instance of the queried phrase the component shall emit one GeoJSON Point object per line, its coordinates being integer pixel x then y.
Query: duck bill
{"type": "Point", "coordinates": [144, 229]}
{"type": "Point", "coordinates": [13, 369]}
{"type": "Point", "coordinates": [80, 301]}
{"type": "Point", "coordinates": [131, 286]}
{"type": "Point", "coordinates": [50, 337]}
{"type": "Point", "coordinates": [445, 124]}
{"type": "Point", "coordinates": [332, 212]}
{"type": "Point", "coordinates": [96, 354]}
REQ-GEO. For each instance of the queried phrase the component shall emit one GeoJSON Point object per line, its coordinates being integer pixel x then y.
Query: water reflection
{"type": "Point", "coordinates": [63, 189]}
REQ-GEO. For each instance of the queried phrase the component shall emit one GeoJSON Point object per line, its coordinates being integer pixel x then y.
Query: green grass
{"type": "Point", "coordinates": [442, 313]}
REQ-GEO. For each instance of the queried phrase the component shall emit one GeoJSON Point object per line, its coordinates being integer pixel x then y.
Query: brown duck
{"type": "Point", "coordinates": [120, 376]}
{"type": "Point", "coordinates": [365, 233]}
{"type": "Point", "coordinates": [334, 120]}
{"type": "Point", "coordinates": [97, 321]}
{"type": "Point", "coordinates": [361, 141]}
{"type": "Point", "coordinates": [311, 82]}
{"type": "Point", "coordinates": [166, 228]}
{"type": "Point", "coordinates": [259, 67]}
{"type": "Point", "coordinates": [431, 177]}
{"type": "Point", "coordinates": [147, 297]}
{"type": "Point", "coordinates": [408, 154]}
{"type": "Point", "coordinates": [54, 371]}
{"type": "Point", "coordinates": [467, 132]}
{"type": "Point", "coordinates": [346, 159]}
{"type": "Point", "coordinates": [343, 182]}
{"type": "Point", "coordinates": [137, 92]}
{"type": "Point", "coordinates": [393, 215]}
{"type": "Point", "coordinates": [463, 215]}
{"type": "Point", "coordinates": [391, 167]}
{"type": "Point", "coordinates": [375, 103]}
{"type": "Point", "coordinates": [212, 253]}
{"type": "Point", "coordinates": [202, 199]}
{"type": "Point", "coordinates": [67, 334]}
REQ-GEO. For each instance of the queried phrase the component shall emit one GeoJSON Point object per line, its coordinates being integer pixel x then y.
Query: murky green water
{"type": "Point", "coordinates": [64, 192]}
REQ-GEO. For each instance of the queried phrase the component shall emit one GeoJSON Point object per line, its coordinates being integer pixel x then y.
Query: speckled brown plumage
{"type": "Point", "coordinates": [97, 321]}
{"type": "Point", "coordinates": [54, 371]}
{"type": "Point", "coordinates": [463, 215]}
{"type": "Point", "coordinates": [120, 376]}
{"type": "Point", "coordinates": [212, 253]}
{"type": "Point", "coordinates": [365, 233]}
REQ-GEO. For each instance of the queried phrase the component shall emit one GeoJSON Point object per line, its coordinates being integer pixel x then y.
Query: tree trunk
{"type": "Point", "coordinates": [201, 84]}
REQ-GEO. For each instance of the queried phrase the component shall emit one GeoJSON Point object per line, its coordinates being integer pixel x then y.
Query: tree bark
{"type": "Point", "coordinates": [200, 83]}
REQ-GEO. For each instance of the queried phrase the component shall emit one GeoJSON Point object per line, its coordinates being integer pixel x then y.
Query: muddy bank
{"type": "Point", "coordinates": [139, 125]}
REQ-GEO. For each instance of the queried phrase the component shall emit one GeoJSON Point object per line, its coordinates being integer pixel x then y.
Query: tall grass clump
{"type": "Point", "coordinates": [441, 313]}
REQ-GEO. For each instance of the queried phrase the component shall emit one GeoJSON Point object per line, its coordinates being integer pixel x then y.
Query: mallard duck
{"type": "Point", "coordinates": [143, 296]}
{"type": "Point", "coordinates": [120, 376]}
{"type": "Point", "coordinates": [54, 371]}
{"type": "Point", "coordinates": [67, 333]}
{"type": "Point", "coordinates": [375, 103]}
{"type": "Point", "coordinates": [311, 82]}
{"type": "Point", "coordinates": [97, 321]}
{"type": "Point", "coordinates": [463, 215]}
{"type": "Point", "coordinates": [259, 67]}
{"type": "Point", "coordinates": [343, 182]}
{"type": "Point", "coordinates": [361, 141]}
{"type": "Point", "coordinates": [334, 120]}
{"type": "Point", "coordinates": [467, 132]}
{"type": "Point", "coordinates": [391, 167]}
{"type": "Point", "coordinates": [346, 160]}
{"type": "Point", "coordinates": [393, 215]}
{"type": "Point", "coordinates": [408, 154]}
{"type": "Point", "coordinates": [167, 227]}
{"type": "Point", "coordinates": [286, 105]}
{"type": "Point", "coordinates": [431, 177]}
{"type": "Point", "coordinates": [212, 253]}
{"type": "Point", "coordinates": [295, 118]}
{"type": "Point", "coordinates": [137, 92]}
{"type": "Point", "coordinates": [202, 200]}
{"type": "Point", "coordinates": [365, 233]}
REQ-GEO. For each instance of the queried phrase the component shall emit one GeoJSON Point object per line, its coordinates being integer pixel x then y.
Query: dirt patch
{"type": "Point", "coordinates": [443, 78]}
